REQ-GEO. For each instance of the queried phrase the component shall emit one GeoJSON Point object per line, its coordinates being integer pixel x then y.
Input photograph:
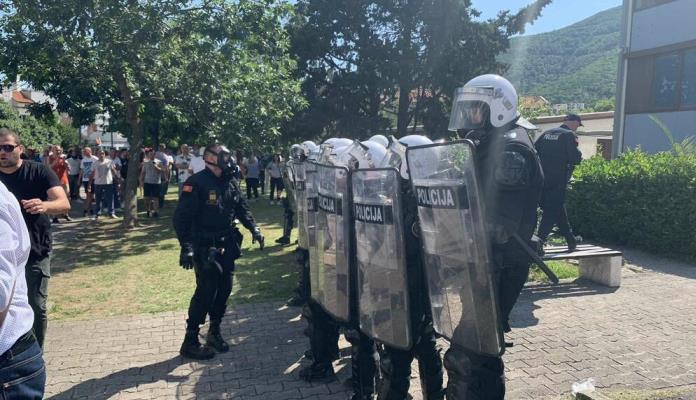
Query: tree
{"type": "Point", "coordinates": [37, 133]}
{"type": "Point", "coordinates": [369, 64]}
{"type": "Point", "coordinates": [604, 105]}
{"type": "Point", "coordinates": [202, 68]}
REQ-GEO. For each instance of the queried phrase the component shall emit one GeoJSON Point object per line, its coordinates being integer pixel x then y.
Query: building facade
{"type": "Point", "coordinates": [656, 91]}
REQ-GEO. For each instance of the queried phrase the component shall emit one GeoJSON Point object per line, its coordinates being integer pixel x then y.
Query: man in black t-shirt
{"type": "Point", "coordinates": [38, 191]}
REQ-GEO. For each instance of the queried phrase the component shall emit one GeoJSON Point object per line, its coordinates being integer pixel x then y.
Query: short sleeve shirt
{"type": "Point", "coordinates": [183, 172]}
{"type": "Point", "coordinates": [152, 175]}
{"type": "Point", "coordinates": [103, 172]}
{"type": "Point", "coordinates": [31, 181]}
{"type": "Point", "coordinates": [73, 166]}
{"type": "Point", "coordinates": [86, 167]}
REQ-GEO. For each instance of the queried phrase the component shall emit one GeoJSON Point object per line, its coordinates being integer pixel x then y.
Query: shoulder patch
{"type": "Point", "coordinates": [188, 188]}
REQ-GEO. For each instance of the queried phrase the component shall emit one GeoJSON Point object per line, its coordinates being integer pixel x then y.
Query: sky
{"type": "Point", "coordinates": [558, 14]}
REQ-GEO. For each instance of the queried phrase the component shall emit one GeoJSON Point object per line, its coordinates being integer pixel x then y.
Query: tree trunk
{"type": "Point", "coordinates": [130, 203]}
{"type": "Point", "coordinates": [403, 117]}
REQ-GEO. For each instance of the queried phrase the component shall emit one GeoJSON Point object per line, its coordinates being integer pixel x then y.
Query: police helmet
{"type": "Point", "coordinates": [381, 139]}
{"type": "Point", "coordinates": [487, 100]}
{"type": "Point", "coordinates": [375, 155]}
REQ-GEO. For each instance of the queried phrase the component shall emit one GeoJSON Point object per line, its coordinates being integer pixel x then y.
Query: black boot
{"type": "Point", "coordinates": [214, 338]}
{"type": "Point", "coordinates": [192, 348]}
{"type": "Point", "coordinates": [283, 240]}
{"type": "Point", "coordinates": [318, 372]}
{"type": "Point", "coordinates": [295, 301]}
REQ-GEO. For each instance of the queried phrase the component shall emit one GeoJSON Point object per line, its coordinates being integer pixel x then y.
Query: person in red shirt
{"type": "Point", "coordinates": [60, 167]}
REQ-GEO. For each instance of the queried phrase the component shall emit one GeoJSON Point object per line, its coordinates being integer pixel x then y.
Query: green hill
{"type": "Point", "coordinates": [575, 64]}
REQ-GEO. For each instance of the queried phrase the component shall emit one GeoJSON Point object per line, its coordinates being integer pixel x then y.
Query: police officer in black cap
{"type": "Point", "coordinates": [559, 154]}
{"type": "Point", "coordinates": [204, 221]}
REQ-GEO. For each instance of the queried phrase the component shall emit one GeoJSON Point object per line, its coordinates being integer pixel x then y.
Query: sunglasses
{"type": "Point", "coordinates": [8, 148]}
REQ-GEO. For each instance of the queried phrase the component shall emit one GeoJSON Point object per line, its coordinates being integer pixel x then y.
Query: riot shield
{"type": "Point", "coordinates": [330, 280]}
{"type": "Point", "coordinates": [301, 202]}
{"type": "Point", "coordinates": [381, 257]}
{"type": "Point", "coordinates": [310, 223]}
{"type": "Point", "coordinates": [456, 250]}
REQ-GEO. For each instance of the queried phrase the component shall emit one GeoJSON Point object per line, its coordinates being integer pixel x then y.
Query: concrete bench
{"type": "Point", "coordinates": [597, 264]}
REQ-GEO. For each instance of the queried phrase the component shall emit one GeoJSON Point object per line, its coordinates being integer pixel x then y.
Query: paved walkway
{"type": "Point", "coordinates": [641, 336]}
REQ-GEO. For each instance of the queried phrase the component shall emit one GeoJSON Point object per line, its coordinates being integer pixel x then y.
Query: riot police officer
{"type": "Point", "coordinates": [397, 355]}
{"type": "Point", "coordinates": [510, 180]}
{"type": "Point", "coordinates": [204, 221]}
{"type": "Point", "coordinates": [288, 202]}
{"type": "Point", "coordinates": [559, 154]}
{"type": "Point", "coordinates": [333, 302]}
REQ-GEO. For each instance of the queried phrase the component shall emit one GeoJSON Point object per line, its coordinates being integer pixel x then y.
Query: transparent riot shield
{"type": "Point", "coordinates": [310, 223]}
{"type": "Point", "coordinates": [301, 202]}
{"type": "Point", "coordinates": [381, 257]}
{"type": "Point", "coordinates": [331, 279]}
{"type": "Point", "coordinates": [456, 248]}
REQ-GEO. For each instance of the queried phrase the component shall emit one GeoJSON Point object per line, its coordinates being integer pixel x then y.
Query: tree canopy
{"type": "Point", "coordinates": [169, 68]}
{"type": "Point", "coordinates": [370, 65]}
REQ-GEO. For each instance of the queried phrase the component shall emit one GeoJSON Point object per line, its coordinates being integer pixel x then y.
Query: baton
{"type": "Point", "coordinates": [537, 260]}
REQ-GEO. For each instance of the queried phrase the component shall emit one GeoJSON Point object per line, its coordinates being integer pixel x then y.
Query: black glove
{"type": "Point", "coordinates": [186, 256]}
{"type": "Point", "coordinates": [256, 236]}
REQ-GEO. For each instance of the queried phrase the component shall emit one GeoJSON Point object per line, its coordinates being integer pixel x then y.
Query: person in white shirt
{"type": "Point", "coordinates": [151, 182]}
{"type": "Point", "coordinates": [167, 164]}
{"type": "Point", "coordinates": [74, 159]}
{"type": "Point", "coordinates": [103, 172]}
{"type": "Point", "coordinates": [183, 165]}
{"type": "Point", "coordinates": [86, 175]}
{"type": "Point", "coordinates": [197, 163]}
{"type": "Point", "coordinates": [274, 170]}
{"type": "Point", "coordinates": [22, 367]}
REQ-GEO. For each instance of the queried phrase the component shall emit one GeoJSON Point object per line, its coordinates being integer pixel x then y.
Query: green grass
{"type": "Point", "coordinates": [100, 269]}
{"type": "Point", "coordinates": [562, 269]}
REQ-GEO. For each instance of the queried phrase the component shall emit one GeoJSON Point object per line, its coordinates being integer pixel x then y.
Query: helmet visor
{"type": "Point", "coordinates": [469, 115]}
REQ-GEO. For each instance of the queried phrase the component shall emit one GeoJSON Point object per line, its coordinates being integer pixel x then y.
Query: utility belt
{"type": "Point", "coordinates": [22, 344]}
{"type": "Point", "coordinates": [228, 240]}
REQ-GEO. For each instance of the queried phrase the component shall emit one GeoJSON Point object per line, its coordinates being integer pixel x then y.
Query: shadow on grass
{"type": "Point", "coordinates": [85, 242]}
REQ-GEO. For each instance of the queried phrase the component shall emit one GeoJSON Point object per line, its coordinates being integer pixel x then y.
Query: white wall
{"type": "Point", "coordinates": [663, 25]}
{"type": "Point", "coordinates": [641, 130]}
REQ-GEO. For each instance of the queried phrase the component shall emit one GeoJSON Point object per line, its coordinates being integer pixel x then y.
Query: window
{"type": "Point", "coordinates": [661, 82]}
{"type": "Point", "coordinates": [688, 86]}
{"type": "Point", "coordinates": [643, 4]}
{"type": "Point", "coordinates": [665, 81]}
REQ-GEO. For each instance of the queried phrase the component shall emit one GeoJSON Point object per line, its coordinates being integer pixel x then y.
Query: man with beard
{"type": "Point", "coordinates": [40, 194]}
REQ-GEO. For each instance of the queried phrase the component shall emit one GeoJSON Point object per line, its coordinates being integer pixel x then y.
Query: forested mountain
{"type": "Point", "coordinates": [575, 64]}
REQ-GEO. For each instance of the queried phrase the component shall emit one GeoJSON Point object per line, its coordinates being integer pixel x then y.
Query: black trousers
{"type": "Point", "coordinates": [276, 185]}
{"type": "Point", "coordinates": [37, 273]}
{"type": "Point", "coordinates": [322, 331]}
{"type": "Point", "coordinates": [288, 217]}
{"type": "Point", "coordinates": [554, 212]}
{"type": "Point", "coordinates": [252, 184]}
{"type": "Point", "coordinates": [474, 376]}
{"type": "Point", "coordinates": [213, 287]}
{"type": "Point", "coordinates": [396, 368]}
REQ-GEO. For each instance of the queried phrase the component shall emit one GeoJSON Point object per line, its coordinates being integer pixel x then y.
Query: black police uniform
{"type": "Point", "coordinates": [559, 154]}
{"type": "Point", "coordinates": [511, 182]}
{"type": "Point", "coordinates": [289, 207]}
{"type": "Point", "coordinates": [395, 364]}
{"type": "Point", "coordinates": [203, 221]}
